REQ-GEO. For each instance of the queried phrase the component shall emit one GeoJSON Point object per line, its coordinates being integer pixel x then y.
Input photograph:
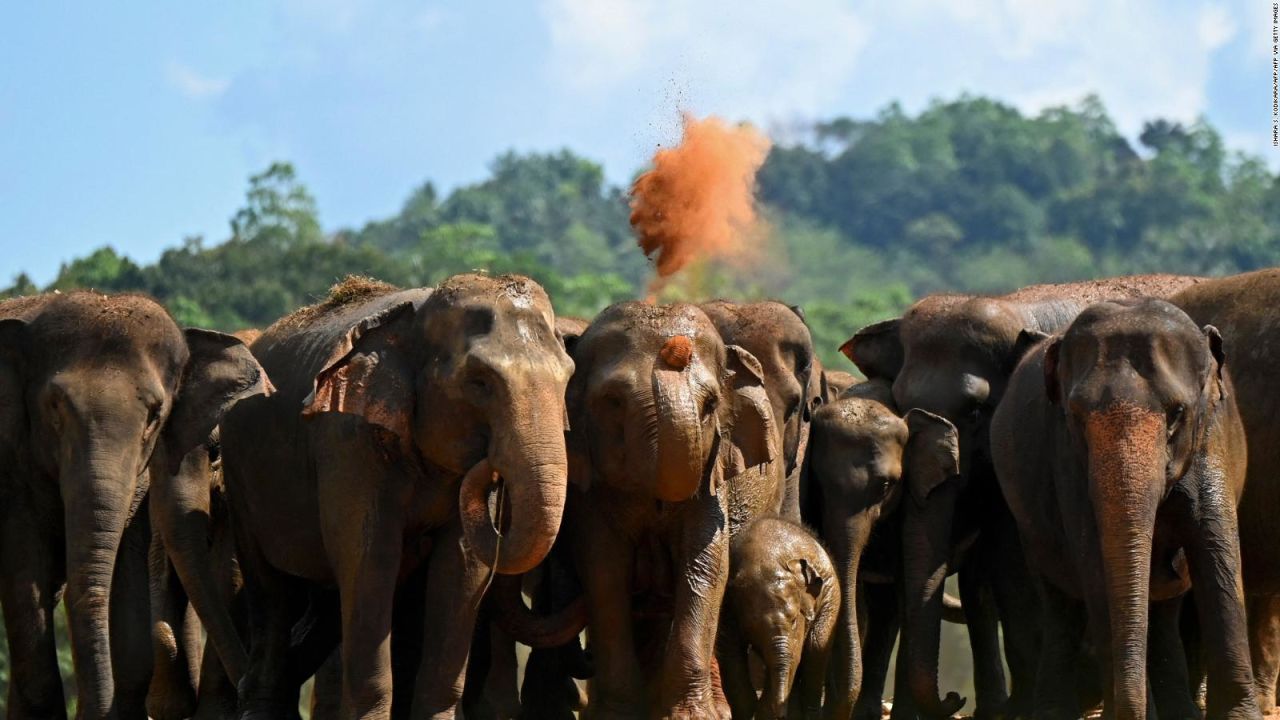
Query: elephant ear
{"type": "Point", "coordinates": [13, 407]}
{"type": "Point", "coordinates": [1219, 358]}
{"type": "Point", "coordinates": [811, 580]}
{"type": "Point", "coordinates": [876, 349]}
{"type": "Point", "coordinates": [577, 449]}
{"type": "Point", "coordinates": [220, 372]}
{"type": "Point", "coordinates": [369, 375]}
{"type": "Point", "coordinates": [1027, 339]}
{"type": "Point", "coordinates": [1052, 387]}
{"type": "Point", "coordinates": [932, 453]}
{"type": "Point", "coordinates": [753, 421]}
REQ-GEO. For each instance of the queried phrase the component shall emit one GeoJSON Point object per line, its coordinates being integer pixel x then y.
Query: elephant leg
{"type": "Point", "coordinates": [734, 672]}
{"type": "Point", "coordinates": [455, 588]}
{"type": "Point", "coordinates": [904, 706]}
{"type": "Point", "coordinates": [549, 691]}
{"type": "Point", "coordinates": [476, 704]}
{"type": "Point", "coordinates": [1062, 624]}
{"type": "Point", "coordinates": [363, 533]}
{"type": "Point", "coordinates": [1193, 648]}
{"type": "Point", "coordinates": [175, 640]}
{"type": "Point", "coordinates": [1264, 648]}
{"type": "Point", "coordinates": [1166, 663]}
{"type": "Point", "coordinates": [326, 690]}
{"type": "Point", "coordinates": [408, 627]}
{"type": "Point", "coordinates": [604, 560]}
{"type": "Point", "coordinates": [217, 698]}
{"type": "Point", "coordinates": [686, 688]}
{"type": "Point", "coordinates": [1020, 615]}
{"type": "Point", "coordinates": [275, 602]}
{"type": "Point", "coordinates": [1214, 559]}
{"type": "Point", "coordinates": [31, 575]}
{"type": "Point", "coordinates": [502, 687]}
{"type": "Point", "coordinates": [879, 604]}
{"type": "Point", "coordinates": [130, 608]}
{"type": "Point", "coordinates": [984, 641]}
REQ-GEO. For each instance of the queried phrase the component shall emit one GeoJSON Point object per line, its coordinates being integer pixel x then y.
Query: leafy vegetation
{"type": "Point", "coordinates": [864, 216]}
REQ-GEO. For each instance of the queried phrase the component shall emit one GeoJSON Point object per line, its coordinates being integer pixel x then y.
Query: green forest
{"type": "Point", "coordinates": [863, 216]}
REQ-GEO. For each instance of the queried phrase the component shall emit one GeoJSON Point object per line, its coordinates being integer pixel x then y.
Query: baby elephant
{"type": "Point", "coordinates": [781, 605]}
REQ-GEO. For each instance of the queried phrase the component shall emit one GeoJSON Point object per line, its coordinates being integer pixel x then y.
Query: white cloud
{"type": "Point", "coordinates": [1216, 27]}
{"type": "Point", "coordinates": [193, 84]}
{"type": "Point", "coordinates": [1144, 58]}
{"type": "Point", "coordinates": [770, 61]}
{"type": "Point", "coordinates": [755, 58]}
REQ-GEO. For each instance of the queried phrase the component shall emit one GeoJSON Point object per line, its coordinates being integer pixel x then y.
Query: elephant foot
{"type": "Point", "coordinates": [269, 711]}
{"type": "Point", "coordinates": [701, 709]}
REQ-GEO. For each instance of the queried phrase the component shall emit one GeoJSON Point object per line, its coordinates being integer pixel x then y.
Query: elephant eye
{"type": "Point", "coordinates": [709, 405]}
{"type": "Point", "coordinates": [1174, 417]}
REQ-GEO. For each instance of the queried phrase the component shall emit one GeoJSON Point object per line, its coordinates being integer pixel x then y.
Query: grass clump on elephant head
{"type": "Point", "coordinates": [350, 289]}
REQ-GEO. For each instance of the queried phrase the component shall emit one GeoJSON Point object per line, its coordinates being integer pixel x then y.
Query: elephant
{"type": "Point", "coordinates": [777, 336]}
{"type": "Point", "coordinates": [1243, 308]}
{"type": "Point", "coordinates": [664, 415]}
{"type": "Point", "coordinates": [408, 426]}
{"type": "Point", "coordinates": [952, 355]}
{"type": "Point", "coordinates": [99, 395]}
{"type": "Point", "coordinates": [780, 605]}
{"type": "Point", "coordinates": [1121, 453]}
{"type": "Point", "coordinates": [858, 452]}
{"type": "Point", "coordinates": [190, 507]}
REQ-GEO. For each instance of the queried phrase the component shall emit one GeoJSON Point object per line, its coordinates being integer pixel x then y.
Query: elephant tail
{"type": "Point", "coordinates": [529, 628]}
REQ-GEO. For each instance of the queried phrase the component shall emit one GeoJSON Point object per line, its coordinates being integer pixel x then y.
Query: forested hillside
{"type": "Point", "coordinates": [864, 215]}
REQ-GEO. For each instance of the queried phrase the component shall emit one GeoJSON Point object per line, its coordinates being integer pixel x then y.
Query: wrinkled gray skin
{"type": "Point", "coordinates": [1243, 308]}
{"type": "Point", "coordinates": [952, 355]}
{"type": "Point", "coordinates": [1121, 453]}
{"type": "Point", "coordinates": [857, 455]}
{"type": "Point", "coordinates": [95, 392]}
{"type": "Point", "coordinates": [656, 436]}
{"type": "Point", "coordinates": [780, 606]}
{"type": "Point", "coordinates": [778, 337]}
{"type": "Point", "coordinates": [397, 413]}
{"type": "Point", "coordinates": [189, 507]}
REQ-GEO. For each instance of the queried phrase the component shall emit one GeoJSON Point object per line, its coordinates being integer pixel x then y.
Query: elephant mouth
{"type": "Point", "coordinates": [485, 515]}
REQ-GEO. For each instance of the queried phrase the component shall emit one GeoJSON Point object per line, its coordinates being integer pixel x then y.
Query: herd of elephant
{"type": "Point", "coordinates": [387, 490]}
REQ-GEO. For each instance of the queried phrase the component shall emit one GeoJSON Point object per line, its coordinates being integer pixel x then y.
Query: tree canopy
{"type": "Point", "coordinates": [864, 215]}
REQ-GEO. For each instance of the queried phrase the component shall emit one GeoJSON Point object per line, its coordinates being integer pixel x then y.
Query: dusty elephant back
{"type": "Point", "coordinates": [298, 346]}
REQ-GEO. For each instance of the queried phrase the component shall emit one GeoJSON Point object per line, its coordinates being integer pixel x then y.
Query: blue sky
{"type": "Point", "coordinates": [136, 124]}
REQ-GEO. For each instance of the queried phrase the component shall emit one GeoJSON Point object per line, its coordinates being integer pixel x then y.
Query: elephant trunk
{"type": "Point", "coordinates": [97, 491]}
{"type": "Point", "coordinates": [180, 509]}
{"type": "Point", "coordinates": [926, 556]}
{"type": "Point", "coordinates": [780, 670]}
{"type": "Point", "coordinates": [679, 439]}
{"type": "Point", "coordinates": [848, 541]}
{"type": "Point", "coordinates": [1126, 474]}
{"type": "Point", "coordinates": [523, 625]}
{"type": "Point", "coordinates": [528, 466]}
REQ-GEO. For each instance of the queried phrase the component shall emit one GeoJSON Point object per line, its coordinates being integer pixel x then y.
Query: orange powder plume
{"type": "Point", "coordinates": [698, 200]}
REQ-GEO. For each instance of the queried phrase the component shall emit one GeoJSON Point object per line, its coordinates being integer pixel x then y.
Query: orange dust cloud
{"type": "Point", "coordinates": [698, 200]}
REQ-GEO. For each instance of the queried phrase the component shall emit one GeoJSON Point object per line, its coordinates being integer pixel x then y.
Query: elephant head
{"type": "Point", "coordinates": [1138, 385]}
{"type": "Point", "coordinates": [98, 390]}
{"type": "Point", "coordinates": [778, 337]}
{"type": "Point", "coordinates": [660, 405]}
{"type": "Point", "coordinates": [470, 380]}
